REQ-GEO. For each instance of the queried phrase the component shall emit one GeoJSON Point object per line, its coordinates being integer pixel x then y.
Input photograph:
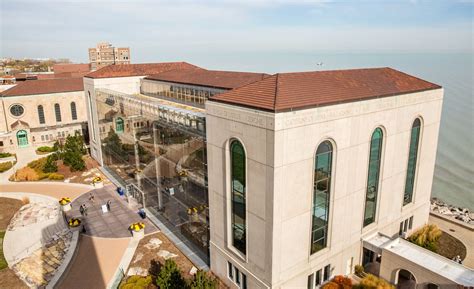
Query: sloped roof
{"type": "Point", "coordinates": [209, 78]}
{"type": "Point", "coordinates": [142, 69]}
{"type": "Point", "coordinates": [44, 86]}
{"type": "Point", "coordinates": [288, 91]}
{"type": "Point", "coordinates": [71, 67]}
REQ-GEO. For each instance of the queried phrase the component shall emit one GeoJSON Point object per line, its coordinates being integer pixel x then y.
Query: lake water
{"type": "Point", "coordinates": [454, 172]}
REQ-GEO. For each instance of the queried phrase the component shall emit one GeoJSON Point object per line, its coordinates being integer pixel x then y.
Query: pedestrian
{"type": "Point", "coordinates": [85, 209]}
{"type": "Point", "coordinates": [81, 210]}
{"type": "Point", "coordinates": [91, 197]}
{"type": "Point", "coordinates": [83, 229]}
{"type": "Point", "coordinates": [108, 205]}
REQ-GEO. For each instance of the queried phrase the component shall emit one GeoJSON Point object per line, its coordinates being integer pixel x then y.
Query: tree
{"type": "Point", "coordinates": [73, 151]}
{"type": "Point", "coordinates": [50, 165]}
{"type": "Point", "coordinates": [113, 145]}
{"type": "Point", "coordinates": [170, 277]}
{"type": "Point", "coordinates": [202, 280]}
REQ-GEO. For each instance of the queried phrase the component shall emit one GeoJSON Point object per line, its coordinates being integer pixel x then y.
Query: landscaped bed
{"type": "Point", "coordinates": [156, 248]}
{"type": "Point", "coordinates": [8, 208]}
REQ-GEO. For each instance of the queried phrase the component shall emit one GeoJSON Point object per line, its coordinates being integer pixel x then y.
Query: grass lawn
{"type": "Point", "coordinates": [3, 262]}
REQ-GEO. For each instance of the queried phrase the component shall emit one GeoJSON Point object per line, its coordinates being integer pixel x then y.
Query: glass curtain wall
{"type": "Point", "coordinates": [163, 158]}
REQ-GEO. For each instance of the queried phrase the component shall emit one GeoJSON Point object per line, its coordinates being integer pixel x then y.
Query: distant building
{"type": "Point", "coordinates": [39, 112]}
{"type": "Point", "coordinates": [105, 54]}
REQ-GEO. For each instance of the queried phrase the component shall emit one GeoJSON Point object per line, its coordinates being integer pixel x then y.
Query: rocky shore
{"type": "Point", "coordinates": [458, 213]}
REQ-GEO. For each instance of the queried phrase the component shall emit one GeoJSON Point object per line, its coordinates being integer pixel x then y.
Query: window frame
{"type": "Point", "coordinates": [329, 185]}
{"type": "Point", "coordinates": [73, 110]}
{"type": "Point", "coordinates": [416, 162]}
{"type": "Point", "coordinates": [57, 112]}
{"type": "Point", "coordinates": [381, 155]}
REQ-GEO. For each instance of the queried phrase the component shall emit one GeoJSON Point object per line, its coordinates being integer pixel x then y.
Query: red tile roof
{"type": "Point", "coordinates": [209, 78]}
{"type": "Point", "coordinates": [288, 91]}
{"type": "Point", "coordinates": [71, 67]}
{"type": "Point", "coordinates": [45, 86]}
{"type": "Point", "coordinates": [142, 69]}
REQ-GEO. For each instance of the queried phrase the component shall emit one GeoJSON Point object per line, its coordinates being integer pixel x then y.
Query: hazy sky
{"type": "Point", "coordinates": [202, 30]}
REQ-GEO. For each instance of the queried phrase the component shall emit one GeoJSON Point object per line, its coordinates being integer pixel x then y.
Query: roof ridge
{"type": "Point", "coordinates": [276, 91]}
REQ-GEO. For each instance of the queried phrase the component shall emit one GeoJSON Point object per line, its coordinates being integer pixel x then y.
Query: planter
{"type": "Point", "coordinates": [138, 234]}
{"type": "Point", "coordinates": [99, 185]}
{"type": "Point", "coordinates": [74, 229]}
{"type": "Point", "coordinates": [66, 207]}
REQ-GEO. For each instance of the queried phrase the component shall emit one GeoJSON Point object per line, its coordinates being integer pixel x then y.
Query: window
{"type": "Point", "coordinates": [318, 277]}
{"type": "Point", "coordinates": [412, 158]}
{"type": "Point", "coordinates": [238, 202]}
{"type": "Point", "coordinates": [405, 226]}
{"type": "Point", "coordinates": [375, 157]}
{"type": "Point", "coordinates": [410, 223]}
{"type": "Point", "coordinates": [73, 111]}
{"type": "Point", "coordinates": [234, 274]}
{"type": "Point", "coordinates": [119, 125]}
{"type": "Point", "coordinates": [310, 281]}
{"type": "Point", "coordinates": [321, 194]}
{"type": "Point", "coordinates": [17, 110]}
{"type": "Point", "coordinates": [327, 272]}
{"type": "Point", "coordinates": [1, 143]}
{"type": "Point", "coordinates": [57, 111]}
{"type": "Point", "coordinates": [41, 114]}
{"type": "Point", "coordinates": [42, 138]}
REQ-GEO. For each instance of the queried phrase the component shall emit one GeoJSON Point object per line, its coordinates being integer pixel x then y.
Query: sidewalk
{"type": "Point", "coordinates": [95, 264]}
{"type": "Point", "coordinates": [23, 157]}
{"type": "Point", "coordinates": [463, 234]}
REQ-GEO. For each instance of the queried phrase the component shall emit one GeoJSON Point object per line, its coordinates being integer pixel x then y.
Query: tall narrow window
{"type": "Point", "coordinates": [57, 111]}
{"type": "Point", "coordinates": [412, 157]}
{"type": "Point", "coordinates": [373, 176]}
{"type": "Point", "coordinates": [73, 111]}
{"type": "Point", "coordinates": [41, 114]}
{"type": "Point", "coordinates": [321, 193]}
{"type": "Point", "coordinates": [238, 186]}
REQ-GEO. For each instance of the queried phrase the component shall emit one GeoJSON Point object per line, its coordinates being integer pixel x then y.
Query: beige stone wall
{"type": "Point", "coordinates": [280, 151]}
{"type": "Point", "coordinates": [29, 120]}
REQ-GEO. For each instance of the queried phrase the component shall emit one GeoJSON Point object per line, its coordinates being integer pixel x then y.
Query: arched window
{"type": "Point", "coordinates": [57, 111]}
{"type": "Point", "coordinates": [373, 176]}
{"type": "Point", "coordinates": [41, 114]}
{"type": "Point", "coordinates": [119, 125]}
{"type": "Point", "coordinates": [238, 195]}
{"type": "Point", "coordinates": [412, 158]}
{"type": "Point", "coordinates": [321, 195]}
{"type": "Point", "coordinates": [73, 111]}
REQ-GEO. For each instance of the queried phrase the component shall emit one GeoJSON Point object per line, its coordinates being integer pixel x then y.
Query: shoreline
{"type": "Point", "coordinates": [444, 209]}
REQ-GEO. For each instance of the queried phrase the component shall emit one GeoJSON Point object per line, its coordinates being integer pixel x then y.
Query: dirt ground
{"type": "Point", "coordinates": [8, 208]}
{"type": "Point", "coordinates": [151, 254]}
{"type": "Point", "coordinates": [450, 247]}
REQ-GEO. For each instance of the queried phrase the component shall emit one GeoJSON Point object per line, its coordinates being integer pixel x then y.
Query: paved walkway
{"type": "Point", "coordinates": [23, 157]}
{"type": "Point", "coordinates": [112, 224]}
{"type": "Point", "coordinates": [463, 234]}
{"type": "Point", "coordinates": [53, 189]}
{"type": "Point", "coordinates": [95, 263]}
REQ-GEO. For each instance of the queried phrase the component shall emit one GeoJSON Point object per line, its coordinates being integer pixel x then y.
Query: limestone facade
{"type": "Point", "coordinates": [38, 133]}
{"type": "Point", "coordinates": [280, 153]}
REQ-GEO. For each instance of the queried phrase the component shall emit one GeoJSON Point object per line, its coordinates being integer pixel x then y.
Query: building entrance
{"type": "Point", "coordinates": [22, 138]}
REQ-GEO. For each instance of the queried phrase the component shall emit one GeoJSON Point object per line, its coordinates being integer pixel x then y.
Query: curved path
{"type": "Point", "coordinates": [97, 258]}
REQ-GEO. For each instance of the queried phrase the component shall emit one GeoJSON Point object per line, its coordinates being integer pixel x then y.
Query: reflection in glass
{"type": "Point", "coordinates": [321, 193]}
{"type": "Point", "coordinates": [238, 192]}
{"type": "Point", "coordinates": [373, 176]}
{"type": "Point", "coordinates": [412, 158]}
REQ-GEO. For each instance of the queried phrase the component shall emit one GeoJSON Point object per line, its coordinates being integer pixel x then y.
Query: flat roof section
{"type": "Point", "coordinates": [291, 91]}
{"type": "Point", "coordinates": [432, 262]}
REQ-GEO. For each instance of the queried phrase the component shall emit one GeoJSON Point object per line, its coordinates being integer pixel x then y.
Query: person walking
{"type": "Point", "coordinates": [108, 205]}
{"type": "Point", "coordinates": [81, 209]}
{"type": "Point", "coordinates": [85, 209]}
{"type": "Point", "coordinates": [91, 197]}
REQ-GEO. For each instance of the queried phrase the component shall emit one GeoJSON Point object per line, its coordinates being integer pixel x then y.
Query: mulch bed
{"type": "Point", "coordinates": [151, 254]}
{"type": "Point", "coordinates": [450, 247]}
